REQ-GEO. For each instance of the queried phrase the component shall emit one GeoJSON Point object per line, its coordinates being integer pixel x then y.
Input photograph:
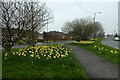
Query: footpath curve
{"type": "Point", "coordinates": [95, 66]}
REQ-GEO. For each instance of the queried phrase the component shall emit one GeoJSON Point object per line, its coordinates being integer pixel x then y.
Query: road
{"type": "Point", "coordinates": [112, 43]}
{"type": "Point", "coordinates": [108, 41]}
{"type": "Point", "coordinates": [40, 43]}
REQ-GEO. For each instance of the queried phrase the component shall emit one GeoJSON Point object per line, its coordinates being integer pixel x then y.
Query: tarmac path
{"type": "Point", "coordinates": [95, 66]}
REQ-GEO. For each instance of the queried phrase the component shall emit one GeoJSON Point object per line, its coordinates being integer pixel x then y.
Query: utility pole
{"type": "Point", "coordinates": [94, 33]}
{"type": "Point", "coordinates": [47, 31]}
{"type": "Point", "coordinates": [94, 25]}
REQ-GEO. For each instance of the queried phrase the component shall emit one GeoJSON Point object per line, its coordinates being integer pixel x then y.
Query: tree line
{"type": "Point", "coordinates": [83, 29]}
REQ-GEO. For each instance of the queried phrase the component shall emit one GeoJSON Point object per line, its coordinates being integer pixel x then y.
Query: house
{"type": "Point", "coordinates": [40, 36]}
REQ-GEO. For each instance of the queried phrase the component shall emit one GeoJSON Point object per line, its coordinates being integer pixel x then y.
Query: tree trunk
{"type": "Point", "coordinates": [7, 51]}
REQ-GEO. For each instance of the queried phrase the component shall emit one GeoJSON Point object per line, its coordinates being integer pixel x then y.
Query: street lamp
{"type": "Point", "coordinates": [94, 23]}
{"type": "Point", "coordinates": [95, 15]}
{"type": "Point", "coordinates": [47, 31]}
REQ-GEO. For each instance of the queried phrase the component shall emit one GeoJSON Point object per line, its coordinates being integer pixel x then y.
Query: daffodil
{"type": "Point", "coordinates": [13, 53]}
{"type": "Point", "coordinates": [5, 57]}
{"type": "Point", "coordinates": [6, 54]}
{"type": "Point", "coordinates": [51, 51]}
{"type": "Point", "coordinates": [32, 55]}
{"type": "Point", "coordinates": [24, 54]}
{"type": "Point", "coordinates": [38, 57]}
{"type": "Point", "coordinates": [111, 51]}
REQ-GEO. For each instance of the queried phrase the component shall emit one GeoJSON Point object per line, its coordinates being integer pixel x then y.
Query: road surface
{"type": "Point", "coordinates": [112, 43]}
{"type": "Point", "coordinates": [108, 41]}
{"type": "Point", "coordinates": [40, 43]}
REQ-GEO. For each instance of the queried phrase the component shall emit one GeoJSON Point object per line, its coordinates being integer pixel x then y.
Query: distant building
{"type": "Point", "coordinates": [119, 17]}
{"type": "Point", "coordinates": [40, 36]}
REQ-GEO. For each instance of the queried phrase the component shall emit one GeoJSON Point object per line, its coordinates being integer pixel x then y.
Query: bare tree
{"type": "Point", "coordinates": [7, 12]}
{"type": "Point", "coordinates": [82, 28]}
{"type": "Point", "coordinates": [67, 27]}
{"type": "Point", "coordinates": [38, 17]}
{"type": "Point", "coordinates": [98, 29]}
{"type": "Point", "coordinates": [16, 18]}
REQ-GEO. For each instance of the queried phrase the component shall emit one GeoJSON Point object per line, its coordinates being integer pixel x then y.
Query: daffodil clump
{"type": "Point", "coordinates": [45, 51]}
{"type": "Point", "coordinates": [105, 50]}
{"type": "Point", "coordinates": [85, 42]}
{"type": "Point", "coordinates": [92, 39]}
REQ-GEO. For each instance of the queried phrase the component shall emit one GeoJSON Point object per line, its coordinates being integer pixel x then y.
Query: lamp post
{"type": "Point", "coordinates": [94, 23]}
{"type": "Point", "coordinates": [47, 31]}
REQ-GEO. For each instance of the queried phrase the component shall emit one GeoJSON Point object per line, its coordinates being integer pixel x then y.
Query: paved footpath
{"type": "Point", "coordinates": [95, 66]}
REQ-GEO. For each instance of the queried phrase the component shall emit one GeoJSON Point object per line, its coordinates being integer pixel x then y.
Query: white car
{"type": "Point", "coordinates": [117, 39]}
{"type": "Point", "coordinates": [105, 37]}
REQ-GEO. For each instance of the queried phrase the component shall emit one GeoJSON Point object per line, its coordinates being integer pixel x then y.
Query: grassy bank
{"type": "Point", "coordinates": [15, 66]}
{"type": "Point", "coordinates": [104, 51]}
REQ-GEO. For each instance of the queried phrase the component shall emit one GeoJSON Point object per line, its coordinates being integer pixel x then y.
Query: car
{"type": "Point", "coordinates": [117, 39]}
{"type": "Point", "coordinates": [105, 37]}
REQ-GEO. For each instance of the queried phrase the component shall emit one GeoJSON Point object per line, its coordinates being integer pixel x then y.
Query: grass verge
{"type": "Point", "coordinates": [23, 67]}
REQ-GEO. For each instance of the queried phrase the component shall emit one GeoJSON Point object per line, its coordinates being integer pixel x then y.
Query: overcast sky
{"type": "Point", "coordinates": [68, 10]}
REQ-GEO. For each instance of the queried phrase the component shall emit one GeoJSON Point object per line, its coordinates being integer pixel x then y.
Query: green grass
{"type": "Point", "coordinates": [22, 67]}
{"type": "Point", "coordinates": [104, 53]}
{"type": "Point", "coordinates": [0, 64]}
